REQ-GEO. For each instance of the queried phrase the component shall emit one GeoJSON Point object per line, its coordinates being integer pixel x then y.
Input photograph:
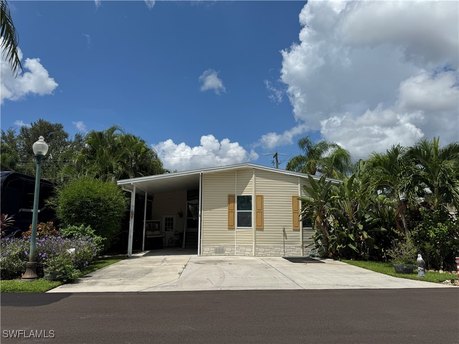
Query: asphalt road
{"type": "Point", "coordinates": [298, 316]}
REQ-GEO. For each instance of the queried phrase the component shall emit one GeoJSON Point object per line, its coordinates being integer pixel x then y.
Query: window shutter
{"type": "Point", "coordinates": [295, 213]}
{"type": "Point", "coordinates": [260, 212]}
{"type": "Point", "coordinates": [231, 211]}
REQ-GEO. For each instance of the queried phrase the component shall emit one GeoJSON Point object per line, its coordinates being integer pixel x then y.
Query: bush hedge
{"type": "Point", "coordinates": [93, 203]}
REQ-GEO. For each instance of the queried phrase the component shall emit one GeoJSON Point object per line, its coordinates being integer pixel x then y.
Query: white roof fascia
{"type": "Point", "coordinates": [217, 169]}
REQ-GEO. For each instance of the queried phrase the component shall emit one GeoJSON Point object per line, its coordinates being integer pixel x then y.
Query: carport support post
{"type": "Point", "coordinates": [144, 221]}
{"type": "Point", "coordinates": [200, 215]}
{"type": "Point", "coordinates": [131, 221]}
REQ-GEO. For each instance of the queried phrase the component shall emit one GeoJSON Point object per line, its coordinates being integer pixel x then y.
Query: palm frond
{"type": "Point", "coordinates": [9, 40]}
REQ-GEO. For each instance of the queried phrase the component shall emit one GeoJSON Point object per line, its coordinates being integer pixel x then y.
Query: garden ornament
{"type": "Point", "coordinates": [421, 266]}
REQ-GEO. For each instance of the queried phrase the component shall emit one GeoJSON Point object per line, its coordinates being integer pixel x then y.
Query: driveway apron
{"type": "Point", "coordinates": [190, 272]}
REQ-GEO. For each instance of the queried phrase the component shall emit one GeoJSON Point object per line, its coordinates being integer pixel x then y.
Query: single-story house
{"type": "Point", "coordinates": [242, 210]}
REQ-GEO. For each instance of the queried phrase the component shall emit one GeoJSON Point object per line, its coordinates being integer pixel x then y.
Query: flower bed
{"type": "Point", "coordinates": [58, 257]}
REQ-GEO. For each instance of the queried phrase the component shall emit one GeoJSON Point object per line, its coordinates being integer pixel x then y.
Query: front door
{"type": "Point", "coordinates": [169, 231]}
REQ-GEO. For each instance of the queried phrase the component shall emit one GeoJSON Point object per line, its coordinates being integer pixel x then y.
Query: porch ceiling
{"type": "Point", "coordinates": [163, 183]}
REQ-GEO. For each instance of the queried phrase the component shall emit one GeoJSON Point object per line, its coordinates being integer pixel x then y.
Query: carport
{"type": "Point", "coordinates": [169, 207]}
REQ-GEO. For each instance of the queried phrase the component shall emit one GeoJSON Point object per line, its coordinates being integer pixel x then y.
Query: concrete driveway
{"type": "Point", "coordinates": [190, 272]}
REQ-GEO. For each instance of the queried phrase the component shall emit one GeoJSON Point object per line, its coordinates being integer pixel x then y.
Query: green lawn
{"type": "Point", "coordinates": [41, 285]}
{"type": "Point", "coordinates": [19, 286]}
{"type": "Point", "coordinates": [388, 269]}
{"type": "Point", "coordinates": [101, 263]}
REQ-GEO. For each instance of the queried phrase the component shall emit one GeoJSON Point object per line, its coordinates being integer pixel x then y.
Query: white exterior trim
{"type": "Point", "coordinates": [217, 169]}
{"type": "Point", "coordinates": [254, 212]}
{"type": "Point", "coordinates": [144, 221]}
{"type": "Point", "coordinates": [301, 222]}
{"type": "Point", "coordinates": [131, 222]}
{"type": "Point", "coordinates": [200, 214]}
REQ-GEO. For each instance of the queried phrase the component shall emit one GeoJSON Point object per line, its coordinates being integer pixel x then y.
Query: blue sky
{"type": "Point", "coordinates": [260, 74]}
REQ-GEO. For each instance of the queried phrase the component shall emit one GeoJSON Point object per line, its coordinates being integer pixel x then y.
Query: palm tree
{"type": "Point", "coordinates": [316, 205]}
{"type": "Point", "coordinates": [327, 158]}
{"type": "Point", "coordinates": [437, 170]}
{"type": "Point", "coordinates": [389, 174]}
{"type": "Point", "coordinates": [137, 159]}
{"type": "Point", "coordinates": [101, 154]}
{"type": "Point", "coordinates": [111, 155]}
{"type": "Point", "coordinates": [9, 39]}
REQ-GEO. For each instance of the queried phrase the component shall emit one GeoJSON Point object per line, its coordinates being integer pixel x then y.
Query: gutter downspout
{"type": "Point", "coordinates": [200, 215]}
{"type": "Point", "coordinates": [254, 212]}
{"type": "Point", "coordinates": [301, 222]}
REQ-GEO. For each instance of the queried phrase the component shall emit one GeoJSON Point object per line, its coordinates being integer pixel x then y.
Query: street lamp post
{"type": "Point", "coordinates": [40, 148]}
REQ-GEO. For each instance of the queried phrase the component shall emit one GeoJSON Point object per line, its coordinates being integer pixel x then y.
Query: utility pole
{"type": "Point", "coordinates": [276, 160]}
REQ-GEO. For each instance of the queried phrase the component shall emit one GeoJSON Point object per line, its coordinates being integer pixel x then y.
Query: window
{"type": "Point", "coordinates": [307, 222]}
{"type": "Point", "coordinates": [244, 211]}
{"type": "Point", "coordinates": [168, 224]}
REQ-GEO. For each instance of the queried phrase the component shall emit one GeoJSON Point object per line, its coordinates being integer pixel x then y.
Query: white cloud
{"type": "Point", "coordinates": [34, 79]}
{"type": "Point", "coordinates": [430, 92]}
{"type": "Point", "coordinates": [210, 81]}
{"type": "Point", "coordinates": [80, 126]}
{"type": "Point", "coordinates": [97, 3]}
{"type": "Point", "coordinates": [369, 74]}
{"type": "Point", "coordinates": [150, 3]}
{"type": "Point", "coordinates": [20, 123]}
{"type": "Point", "coordinates": [272, 140]}
{"type": "Point", "coordinates": [210, 153]}
{"type": "Point", "coordinates": [374, 131]}
{"type": "Point", "coordinates": [275, 94]}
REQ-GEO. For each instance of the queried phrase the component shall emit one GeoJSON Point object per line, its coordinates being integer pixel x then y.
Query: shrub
{"type": "Point", "coordinates": [61, 268]}
{"type": "Point", "coordinates": [403, 252]}
{"type": "Point", "coordinates": [13, 256]}
{"type": "Point", "coordinates": [82, 231]}
{"type": "Point", "coordinates": [93, 203]}
{"type": "Point", "coordinates": [15, 252]}
{"type": "Point", "coordinates": [43, 230]}
{"type": "Point", "coordinates": [437, 237]}
{"type": "Point", "coordinates": [84, 251]}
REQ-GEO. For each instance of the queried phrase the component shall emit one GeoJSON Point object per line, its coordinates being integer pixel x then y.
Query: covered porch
{"type": "Point", "coordinates": [164, 212]}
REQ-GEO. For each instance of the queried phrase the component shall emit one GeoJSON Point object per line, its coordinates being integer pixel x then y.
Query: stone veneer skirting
{"type": "Point", "coordinates": [247, 250]}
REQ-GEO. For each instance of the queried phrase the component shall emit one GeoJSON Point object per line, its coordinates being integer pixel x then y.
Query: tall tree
{"type": "Point", "coordinates": [112, 154]}
{"type": "Point", "coordinates": [316, 205]}
{"type": "Point", "coordinates": [390, 174]}
{"type": "Point", "coordinates": [57, 139]}
{"type": "Point", "coordinates": [327, 158]}
{"type": "Point", "coordinates": [437, 170]}
{"type": "Point", "coordinates": [9, 39]}
{"type": "Point", "coordinates": [17, 154]}
{"type": "Point", "coordinates": [9, 152]}
{"type": "Point", "coordinates": [137, 159]}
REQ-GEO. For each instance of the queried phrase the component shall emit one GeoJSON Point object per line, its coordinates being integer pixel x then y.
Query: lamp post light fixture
{"type": "Point", "coordinates": [40, 148]}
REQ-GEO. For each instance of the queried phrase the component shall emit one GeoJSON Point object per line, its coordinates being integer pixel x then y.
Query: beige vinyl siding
{"type": "Point", "coordinates": [216, 187]}
{"type": "Point", "coordinates": [277, 190]}
{"type": "Point", "coordinates": [302, 183]}
{"type": "Point", "coordinates": [215, 190]}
